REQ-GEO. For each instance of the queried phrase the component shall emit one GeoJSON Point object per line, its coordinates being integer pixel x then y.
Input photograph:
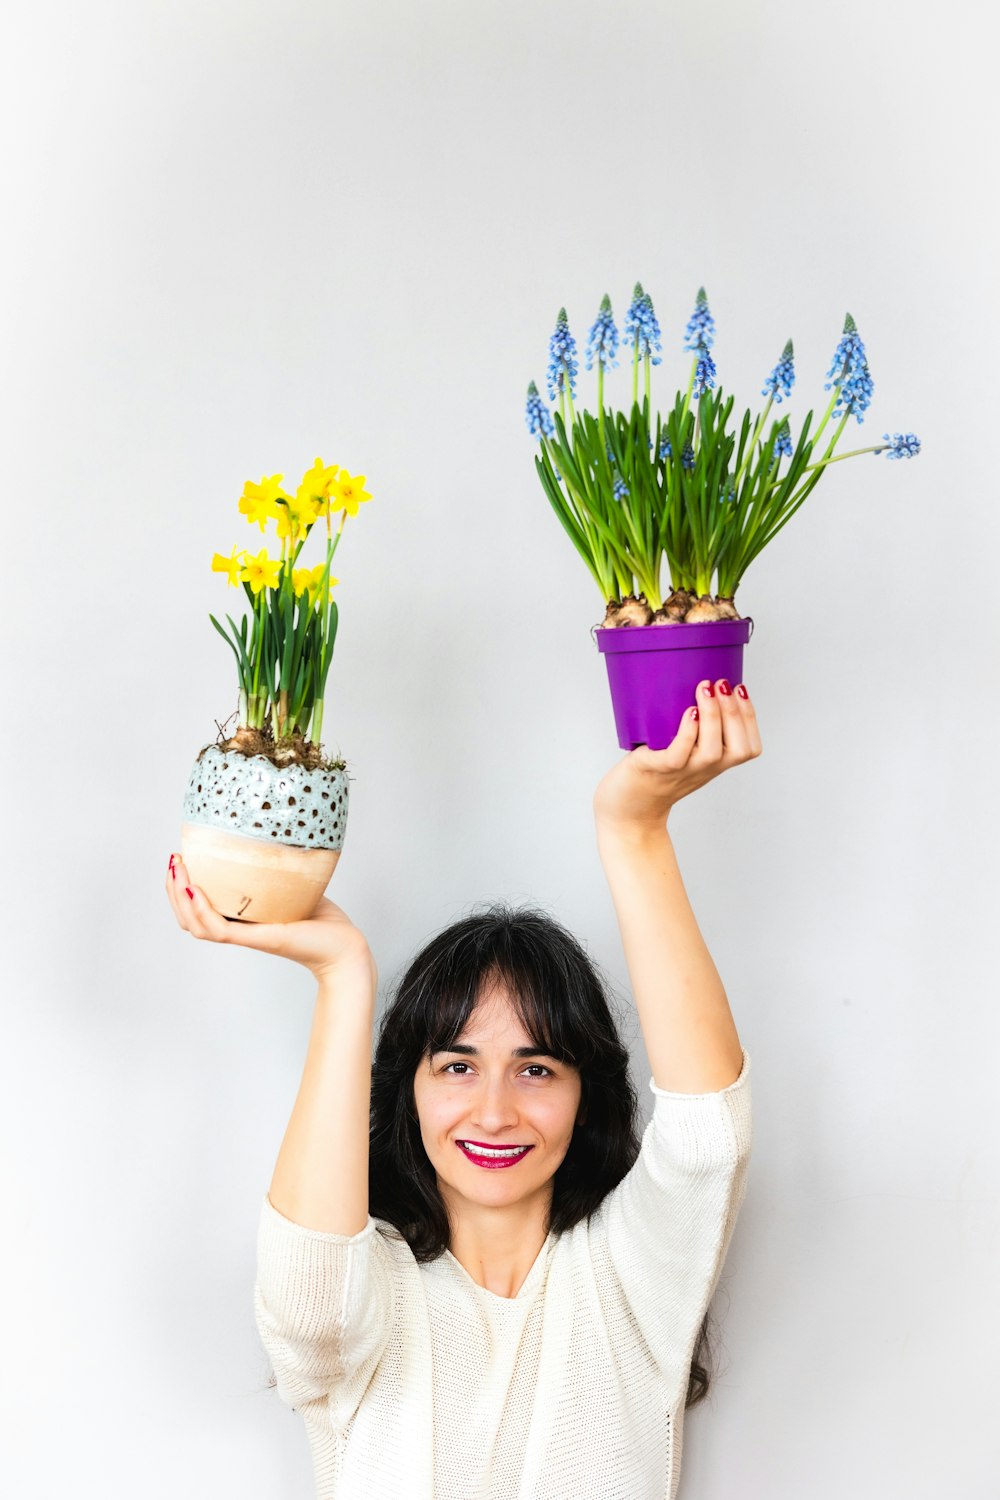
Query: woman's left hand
{"type": "Point", "coordinates": [640, 790]}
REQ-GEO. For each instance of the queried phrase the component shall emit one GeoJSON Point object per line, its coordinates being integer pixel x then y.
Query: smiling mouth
{"type": "Point", "coordinates": [493, 1156]}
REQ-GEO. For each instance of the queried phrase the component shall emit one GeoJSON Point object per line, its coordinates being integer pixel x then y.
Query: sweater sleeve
{"type": "Point", "coordinates": [323, 1305]}
{"type": "Point", "coordinates": [665, 1229]}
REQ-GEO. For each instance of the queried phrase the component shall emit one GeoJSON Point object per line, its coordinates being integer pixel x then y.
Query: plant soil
{"type": "Point", "coordinates": [295, 750]}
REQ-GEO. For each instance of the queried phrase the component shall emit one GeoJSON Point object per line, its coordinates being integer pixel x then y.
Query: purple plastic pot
{"type": "Point", "coordinates": [653, 671]}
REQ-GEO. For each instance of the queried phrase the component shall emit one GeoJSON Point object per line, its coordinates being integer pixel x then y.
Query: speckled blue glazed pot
{"type": "Point", "coordinates": [261, 840]}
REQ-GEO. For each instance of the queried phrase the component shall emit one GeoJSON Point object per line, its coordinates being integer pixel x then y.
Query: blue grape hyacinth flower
{"type": "Point", "coordinates": [700, 331]}
{"type": "Point", "coordinates": [620, 487]}
{"type": "Point", "coordinates": [855, 393]}
{"type": "Point", "coordinates": [641, 324]}
{"type": "Point", "coordinates": [849, 371]}
{"type": "Point", "coordinates": [537, 415]}
{"type": "Point", "coordinates": [900, 445]}
{"type": "Point", "coordinates": [704, 375]}
{"type": "Point", "coordinates": [781, 379]}
{"type": "Point", "coordinates": [666, 451]}
{"type": "Point", "coordinates": [783, 443]}
{"type": "Point", "coordinates": [563, 365]}
{"type": "Point", "coordinates": [602, 341]}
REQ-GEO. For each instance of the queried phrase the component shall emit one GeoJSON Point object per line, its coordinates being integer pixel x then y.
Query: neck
{"type": "Point", "coordinates": [499, 1246]}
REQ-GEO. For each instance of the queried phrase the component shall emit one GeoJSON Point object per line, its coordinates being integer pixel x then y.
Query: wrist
{"type": "Point", "coordinates": [632, 832]}
{"type": "Point", "coordinates": [353, 970]}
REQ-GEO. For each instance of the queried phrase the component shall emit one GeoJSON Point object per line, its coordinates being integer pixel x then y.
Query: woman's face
{"type": "Point", "coordinates": [490, 1096]}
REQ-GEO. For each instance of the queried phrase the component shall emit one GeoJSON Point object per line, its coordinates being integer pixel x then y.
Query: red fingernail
{"type": "Point", "coordinates": [172, 870]}
{"type": "Point", "coordinates": [190, 892]}
{"type": "Point", "coordinates": [742, 691]}
{"type": "Point", "coordinates": [708, 690]}
{"type": "Point", "coordinates": [694, 713]}
{"type": "Point", "coordinates": [724, 688]}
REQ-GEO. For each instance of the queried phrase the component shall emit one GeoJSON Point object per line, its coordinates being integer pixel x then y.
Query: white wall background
{"type": "Point", "coordinates": [237, 235]}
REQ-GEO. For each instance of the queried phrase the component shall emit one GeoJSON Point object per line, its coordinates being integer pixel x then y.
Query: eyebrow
{"type": "Point", "coordinates": [467, 1051]}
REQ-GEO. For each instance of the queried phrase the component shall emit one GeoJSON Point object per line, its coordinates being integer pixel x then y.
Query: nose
{"type": "Point", "coordinates": [494, 1108]}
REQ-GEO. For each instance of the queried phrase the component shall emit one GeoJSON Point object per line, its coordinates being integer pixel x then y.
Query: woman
{"type": "Point", "coordinates": [469, 1283]}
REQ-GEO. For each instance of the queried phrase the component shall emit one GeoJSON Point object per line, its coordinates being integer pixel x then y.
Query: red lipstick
{"type": "Point", "coordinates": [491, 1162]}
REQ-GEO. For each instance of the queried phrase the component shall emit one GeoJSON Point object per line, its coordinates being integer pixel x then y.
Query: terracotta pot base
{"type": "Point", "coordinates": [253, 879]}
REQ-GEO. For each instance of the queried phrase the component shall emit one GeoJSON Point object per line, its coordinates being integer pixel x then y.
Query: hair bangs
{"type": "Point", "coordinates": [513, 959]}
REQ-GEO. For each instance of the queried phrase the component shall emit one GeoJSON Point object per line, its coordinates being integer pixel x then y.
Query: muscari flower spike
{"type": "Point", "coordinates": [783, 443]}
{"type": "Point", "coordinates": [699, 336]}
{"type": "Point", "coordinates": [687, 456]}
{"type": "Point", "coordinates": [700, 331]}
{"type": "Point", "coordinates": [901, 445]}
{"type": "Point", "coordinates": [562, 359]}
{"type": "Point", "coordinates": [602, 340]}
{"type": "Point", "coordinates": [620, 487]}
{"type": "Point", "coordinates": [782, 375]}
{"type": "Point", "coordinates": [704, 374]}
{"type": "Point", "coordinates": [640, 323]}
{"type": "Point", "coordinates": [537, 415]}
{"type": "Point", "coordinates": [849, 372]}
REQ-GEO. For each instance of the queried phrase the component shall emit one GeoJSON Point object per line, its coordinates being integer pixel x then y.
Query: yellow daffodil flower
{"type": "Point", "coordinates": [316, 576]}
{"type": "Point", "coordinates": [258, 500]}
{"type": "Point", "coordinates": [297, 514]}
{"type": "Point", "coordinates": [310, 578]}
{"type": "Point", "coordinates": [261, 571]}
{"type": "Point", "coordinates": [347, 492]}
{"type": "Point", "coordinates": [317, 480]}
{"type": "Point", "coordinates": [231, 565]}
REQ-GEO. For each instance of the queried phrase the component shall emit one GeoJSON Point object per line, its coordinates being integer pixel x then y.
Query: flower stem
{"type": "Point", "coordinates": [833, 401]}
{"type": "Point", "coordinates": [687, 398]}
{"type": "Point", "coordinates": [853, 454]}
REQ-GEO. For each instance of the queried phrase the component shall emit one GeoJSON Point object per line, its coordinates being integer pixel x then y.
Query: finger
{"type": "Point", "coordinates": [735, 745]}
{"type": "Point", "coordinates": [709, 747]}
{"type": "Point", "coordinates": [176, 880]}
{"type": "Point", "coordinates": [194, 910]}
{"type": "Point", "coordinates": [744, 704]}
{"type": "Point", "coordinates": [205, 921]}
{"type": "Point", "coordinates": [677, 754]}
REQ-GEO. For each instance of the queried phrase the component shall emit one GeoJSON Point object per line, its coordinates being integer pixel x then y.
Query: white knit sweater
{"type": "Point", "coordinates": [416, 1383]}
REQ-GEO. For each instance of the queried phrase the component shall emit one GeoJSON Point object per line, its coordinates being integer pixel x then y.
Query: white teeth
{"type": "Point", "coordinates": [487, 1151]}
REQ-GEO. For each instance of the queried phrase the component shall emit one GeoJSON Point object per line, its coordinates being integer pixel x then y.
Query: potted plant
{"type": "Point", "coordinates": [633, 489]}
{"type": "Point", "coordinates": [264, 812]}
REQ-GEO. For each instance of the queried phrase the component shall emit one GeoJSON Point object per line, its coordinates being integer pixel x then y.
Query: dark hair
{"type": "Point", "coordinates": [562, 1001]}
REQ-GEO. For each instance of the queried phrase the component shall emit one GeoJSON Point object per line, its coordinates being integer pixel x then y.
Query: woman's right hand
{"type": "Point", "coordinates": [324, 942]}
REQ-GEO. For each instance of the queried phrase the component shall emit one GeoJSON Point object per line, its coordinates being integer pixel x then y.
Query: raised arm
{"type": "Point", "coordinates": [688, 1028]}
{"type": "Point", "coordinates": [321, 1178]}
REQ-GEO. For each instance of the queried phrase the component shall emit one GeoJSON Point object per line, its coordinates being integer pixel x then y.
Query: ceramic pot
{"type": "Point", "coordinates": [653, 671]}
{"type": "Point", "coordinates": [261, 840]}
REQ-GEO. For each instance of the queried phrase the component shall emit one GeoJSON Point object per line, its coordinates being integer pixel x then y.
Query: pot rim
{"type": "Point", "coordinates": [697, 636]}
